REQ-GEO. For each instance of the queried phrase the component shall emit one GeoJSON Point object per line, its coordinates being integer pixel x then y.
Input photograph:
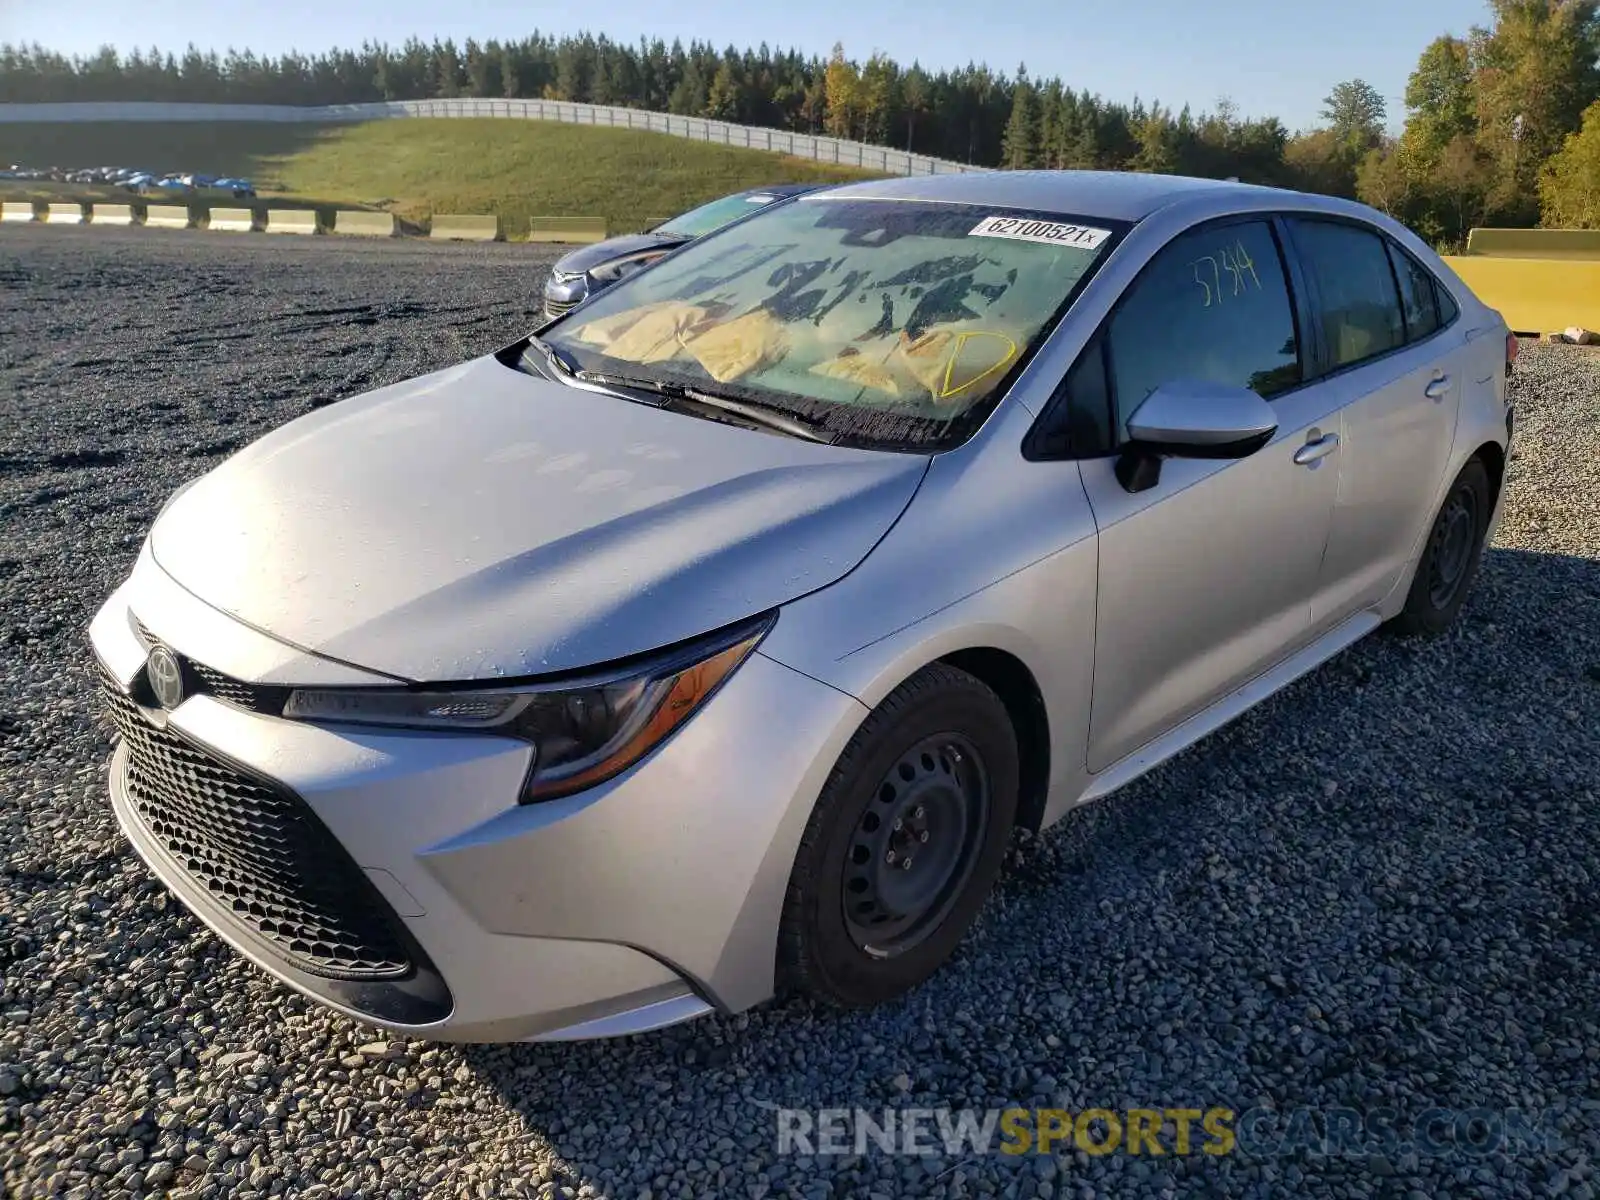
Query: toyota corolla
{"type": "Point", "coordinates": [714, 639]}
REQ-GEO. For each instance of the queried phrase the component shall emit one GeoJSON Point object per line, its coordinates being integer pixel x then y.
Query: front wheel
{"type": "Point", "coordinates": [1450, 556]}
{"type": "Point", "coordinates": [904, 843]}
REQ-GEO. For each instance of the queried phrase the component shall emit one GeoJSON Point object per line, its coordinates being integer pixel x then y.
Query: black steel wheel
{"type": "Point", "coordinates": [904, 843]}
{"type": "Point", "coordinates": [915, 847]}
{"type": "Point", "coordinates": [1450, 556]}
{"type": "Point", "coordinates": [1451, 546]}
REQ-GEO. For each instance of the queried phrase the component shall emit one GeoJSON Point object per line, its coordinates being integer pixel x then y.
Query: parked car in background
{"type": "Point", "coordinates": [242, 189]}
{"type": "Point", "coordinates": [592, 269]}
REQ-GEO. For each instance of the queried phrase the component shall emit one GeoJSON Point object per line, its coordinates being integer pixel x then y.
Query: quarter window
{"type": "Point", "coordinates": [1447, 306]}
{"type": "Point", "coordinates": [1088, 402]}
{"type": "Point", "coordinates": [1212, 306]}
{"type": "Point", "coordinates": [1416, 295]}
{"type": "Point", "coordinates": [1361, 316]}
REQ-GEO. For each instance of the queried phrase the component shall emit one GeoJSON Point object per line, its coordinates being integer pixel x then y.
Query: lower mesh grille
{"type": "Point", "coordinates": [260, 852]}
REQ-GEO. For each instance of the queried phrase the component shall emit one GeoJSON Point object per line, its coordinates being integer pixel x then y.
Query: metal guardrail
{"type": "Point", "coordinates": [700, 129]}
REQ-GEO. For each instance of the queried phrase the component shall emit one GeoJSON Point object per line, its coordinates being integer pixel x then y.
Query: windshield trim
{"type": "Point", "coordinates": [959, 429]}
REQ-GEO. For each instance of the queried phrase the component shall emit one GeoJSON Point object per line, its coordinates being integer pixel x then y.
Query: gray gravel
{"type": "Point", "coordinates": [1379, 889]}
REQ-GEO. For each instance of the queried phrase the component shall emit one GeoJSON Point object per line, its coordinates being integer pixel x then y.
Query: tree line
{"type": "Point", "coordinates": [1496, 122]}
{"type": "Point", "coordinates": [1502, 127]}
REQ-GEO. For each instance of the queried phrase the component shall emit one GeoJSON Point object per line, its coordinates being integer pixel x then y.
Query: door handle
{"type": "Point", "coordinates": [1438, 388]}
{"type": "Point", "coordinates": [1314, 451]}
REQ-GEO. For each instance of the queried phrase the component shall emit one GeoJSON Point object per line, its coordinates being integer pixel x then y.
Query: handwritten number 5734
{"type": "Point", "coordinates": [1236, 261]}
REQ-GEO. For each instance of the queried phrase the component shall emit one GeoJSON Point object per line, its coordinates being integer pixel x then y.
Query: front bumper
{"type": "Point", "coordinates": [650, 899]}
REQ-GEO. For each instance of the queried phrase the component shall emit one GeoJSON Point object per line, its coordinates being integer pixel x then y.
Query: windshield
{"type": "Point", "coordinates": [882, 322]}
{"type": "Point", "coordinates": [698, 222]}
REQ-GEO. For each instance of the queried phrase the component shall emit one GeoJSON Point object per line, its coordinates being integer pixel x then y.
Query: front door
{"type": "Point", "coordinates": [1207, 578]}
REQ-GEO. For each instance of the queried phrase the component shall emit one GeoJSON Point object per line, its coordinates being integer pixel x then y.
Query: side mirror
{"type": "Point", "coordinates": [1192, 419]}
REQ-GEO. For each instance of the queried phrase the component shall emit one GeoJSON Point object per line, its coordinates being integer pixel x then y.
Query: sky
{"type": "Point", "coordinates": [1271, 57]}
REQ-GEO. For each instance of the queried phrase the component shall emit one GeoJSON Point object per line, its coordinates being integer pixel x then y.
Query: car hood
{"type": "Point", "coordinates": [586, 258]}
{"type": "Point", "coordinates": [480, 522]}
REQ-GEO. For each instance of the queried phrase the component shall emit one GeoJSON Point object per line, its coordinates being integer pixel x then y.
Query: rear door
{"type": "Point", "coordinates": [1397, 369]}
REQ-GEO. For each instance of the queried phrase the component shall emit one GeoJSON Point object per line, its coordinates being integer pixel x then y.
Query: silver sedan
{"type": "Point", "coordinates": [714, 639]}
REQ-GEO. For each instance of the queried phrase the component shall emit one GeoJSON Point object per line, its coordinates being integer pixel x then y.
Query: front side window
{"type": "Point", "coordinates": [1416, 295]}
{"type": "Point", "coordinates": [889, 323]}
{"type": "Point", "coordinates": [1212, 306]}
{"type": "Point", "coordinates": [1361, 316]}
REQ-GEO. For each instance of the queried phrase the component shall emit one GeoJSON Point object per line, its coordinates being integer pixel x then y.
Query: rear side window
{"type": "Point", "coordinates": [1361, 315]}
{"type": "Point", "coordinates": [1212, 306]}
{"type": "Point", "coordinates": [1417, 301]}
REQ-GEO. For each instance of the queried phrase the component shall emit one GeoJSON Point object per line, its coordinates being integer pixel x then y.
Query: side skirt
{"type": "Point", "coordinates": [1208, 720]}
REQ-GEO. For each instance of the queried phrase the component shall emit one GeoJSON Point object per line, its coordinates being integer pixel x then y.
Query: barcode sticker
{"type": "Point", "coordinates": [1054, 233]}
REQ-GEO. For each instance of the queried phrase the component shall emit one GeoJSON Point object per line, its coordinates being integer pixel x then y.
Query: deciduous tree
{"type": "Point", "coordinates": [1569, 187]}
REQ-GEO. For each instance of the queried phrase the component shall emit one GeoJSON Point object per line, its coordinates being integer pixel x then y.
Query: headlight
{"type": "Point", "coordinates": [612, 271]}
{"type": "Point", "coordinates": [583, 732]}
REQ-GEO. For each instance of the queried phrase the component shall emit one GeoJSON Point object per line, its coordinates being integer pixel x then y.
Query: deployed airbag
{"type": "Point", "coordinates": [740, 346]}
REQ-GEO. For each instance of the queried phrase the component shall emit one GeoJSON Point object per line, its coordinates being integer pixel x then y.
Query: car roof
{"type": "Point", "coordinates": [1111, 195]}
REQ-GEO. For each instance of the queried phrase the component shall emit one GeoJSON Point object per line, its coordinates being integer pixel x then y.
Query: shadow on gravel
{"type": "Point", "coordinates": [1376, 888]}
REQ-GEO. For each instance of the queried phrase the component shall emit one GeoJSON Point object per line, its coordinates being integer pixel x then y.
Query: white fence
{"type": "Point", "coordinates": [781, 141]}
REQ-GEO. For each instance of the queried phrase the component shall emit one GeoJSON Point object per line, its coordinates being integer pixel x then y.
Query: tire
{"type": "Point", "coordinates": [858, 926]}
{"type": "Point", "coordinates": [1450, 556]}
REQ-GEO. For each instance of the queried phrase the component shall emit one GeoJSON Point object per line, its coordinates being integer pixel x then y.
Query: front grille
{"type": "Point", "coordinates": [201, 680]}
{"type": "Point", "coordinates": [256, 697]}
{"type": "Point", "coordinates": [558, 308]}
{"type": "Point", "coordinates": [261, 853]}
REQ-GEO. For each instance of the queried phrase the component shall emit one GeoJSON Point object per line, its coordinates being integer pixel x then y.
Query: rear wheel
{"type": "Point", "coordinates": [1450, 556]}
{"type": "Point", "coordinates": [904, 843]}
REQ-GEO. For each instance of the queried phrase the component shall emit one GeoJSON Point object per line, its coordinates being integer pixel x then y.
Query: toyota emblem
{"type": "Point", "coordinates": [166, 677]}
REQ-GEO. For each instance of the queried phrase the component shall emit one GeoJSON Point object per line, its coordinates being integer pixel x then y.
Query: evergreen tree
{"type": "Point", "coordinates": [1020, 142]}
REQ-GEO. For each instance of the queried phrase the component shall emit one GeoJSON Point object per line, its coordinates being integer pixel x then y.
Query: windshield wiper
{"type": "Point", "coordinates": [758, 414]}
{"type": "Point", "coordinates": [560, 360]}
{"type": "Point", "coordinates": [680, 397]}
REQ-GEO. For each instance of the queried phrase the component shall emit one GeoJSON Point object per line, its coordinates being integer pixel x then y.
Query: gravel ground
{"type": "Point", "coordinates": [1377, 890]}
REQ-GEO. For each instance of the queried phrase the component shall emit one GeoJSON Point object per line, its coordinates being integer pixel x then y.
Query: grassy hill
{"type": "Point", "coordinates": [414, 167]}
